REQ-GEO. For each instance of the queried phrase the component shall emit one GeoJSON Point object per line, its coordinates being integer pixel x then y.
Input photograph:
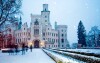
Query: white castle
{"type": "Point", "coordinates": [41, 34]}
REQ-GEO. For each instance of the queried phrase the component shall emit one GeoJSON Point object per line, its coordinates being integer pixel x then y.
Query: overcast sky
{"type": "Point", "coordinates": [66, 12]}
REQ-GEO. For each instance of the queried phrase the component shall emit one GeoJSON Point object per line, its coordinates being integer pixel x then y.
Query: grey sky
{"type": "Point", "coordinates": [67, 12]}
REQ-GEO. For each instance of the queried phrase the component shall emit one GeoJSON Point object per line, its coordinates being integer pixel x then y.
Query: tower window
{"type": "Point", "coordinates": [45, 9]}
{"type": "Point", "coordinates": [45, 20]}
{"type": "Point", "coordinates": [45, 16]}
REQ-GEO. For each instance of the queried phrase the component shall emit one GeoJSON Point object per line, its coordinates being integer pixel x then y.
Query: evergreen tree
{"type": "Point", "coordinates": [81, 34]}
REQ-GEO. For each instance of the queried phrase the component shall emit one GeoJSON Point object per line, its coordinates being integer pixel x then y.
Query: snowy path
{"type": "Point", "coordinates": [36, 56]}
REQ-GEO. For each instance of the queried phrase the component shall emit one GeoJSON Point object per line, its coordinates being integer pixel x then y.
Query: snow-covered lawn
{"type": "Point", "coordinates": [36, 56]}
{"type": "Point", "coordinates": [96, 51]}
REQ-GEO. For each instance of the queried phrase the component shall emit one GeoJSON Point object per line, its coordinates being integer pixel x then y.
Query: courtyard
{"type": "Point", "coordinates": [36, 56]}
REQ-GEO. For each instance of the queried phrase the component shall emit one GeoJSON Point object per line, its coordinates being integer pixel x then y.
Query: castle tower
{"type": "Point", "coordinates": [45, 7]}
{"type": "Point", "coordinates": [45, 15]}
{"type": "Point", "coordinates": [20, 23]}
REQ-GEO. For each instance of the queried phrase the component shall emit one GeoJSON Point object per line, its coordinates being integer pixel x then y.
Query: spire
{"type": "Point", "coordinates": [55, 25]}
{"type": "Point", "coordinates": [20, 23]}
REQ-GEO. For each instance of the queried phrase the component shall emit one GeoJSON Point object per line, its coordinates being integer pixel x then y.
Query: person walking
{"type": "Point", "coordinates": [26, 48]}
{"type": "Point", "coordinates": [23, 49]}
{"type": "Point", "coordinates": [31, 48]}
{"type": "Point", "coordinates": [16, 49]}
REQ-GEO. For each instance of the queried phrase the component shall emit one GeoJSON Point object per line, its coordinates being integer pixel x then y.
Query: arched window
{"type": "Point", "coordinates": [36, 22]}
{"type": "Point", "coordinates": [45, 9]}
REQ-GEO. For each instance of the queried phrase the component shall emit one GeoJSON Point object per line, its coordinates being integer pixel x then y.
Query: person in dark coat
{"type": "Point", "coordinates": [23, 49]}
{"type": "Point", "coordinates": [31, 48]}
{"type": "Point", "coordinates": [16, 49]}
{"type": "Point", "coordinates": [26, 48]}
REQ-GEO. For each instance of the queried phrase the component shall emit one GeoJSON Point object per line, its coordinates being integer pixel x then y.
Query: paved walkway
{"type": "Point", "coordinates": [36, 56]}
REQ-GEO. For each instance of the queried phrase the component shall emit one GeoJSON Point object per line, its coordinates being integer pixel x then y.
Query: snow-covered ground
{"type": "Point", "coordinates": [65, 59]}
{"type": "Point", "coordinates": [36, 56]}
{"type": "Point", "coordinates": [96, 51]}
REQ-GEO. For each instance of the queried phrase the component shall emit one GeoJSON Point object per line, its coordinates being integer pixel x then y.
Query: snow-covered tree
{"type": "Point", "coordinates": [93, 37]}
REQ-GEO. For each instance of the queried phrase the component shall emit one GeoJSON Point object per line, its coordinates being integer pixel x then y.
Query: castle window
{"type": "Point", "coordinates": [45, 20]}
{"type": "Point", "coordinates": [36, 31]}
{"type": "Point", "coordinates": [28, 38]}
{"type": "Point", "coordinates": [45, 9]}
{"type": "Point", "coordinates": [43, 38]}
{"type": "Point", "coordinates": [52, 34]}
{"type": "Point", "coordinates": [62, 35]}
{"type": "Point", "coordinates": [56, 35]}
{"type": "Point", "coordinates": [16, 40]}
{"type": "Point", "coordinates": [62, 45]}
{"type": "Point", "coordinates": [56, 40]}
{"type": "Point", "coordinates": [24, 28]}
{"type": "Point", "coordinates": [48, 33]}
{"type": "Point", "coordinates": [50, 39]}
{"type": "Point", "coordinates": [62, 40]}
{"type": "Point", "coordinates": [43, 34]}
{"type": "Point", "coordinates": [62, 30]}
{"type": "Point", "coordinates": [20, 40]}
{"type": "Point", "coordinates": [36, 22]}
{"type": "Point", "coordinates": [45, 16]}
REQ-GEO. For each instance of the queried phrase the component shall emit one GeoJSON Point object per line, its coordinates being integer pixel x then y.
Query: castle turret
{"type": "Point", "coordinates": [20, 23]}
{"type": "Point", "coordinates": [45, 7]}
{"type": "Point", "coordinates": [55, 25]}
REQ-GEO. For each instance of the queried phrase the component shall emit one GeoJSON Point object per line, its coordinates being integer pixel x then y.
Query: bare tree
{"type": "Point", "coordinates": [8, 10]}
